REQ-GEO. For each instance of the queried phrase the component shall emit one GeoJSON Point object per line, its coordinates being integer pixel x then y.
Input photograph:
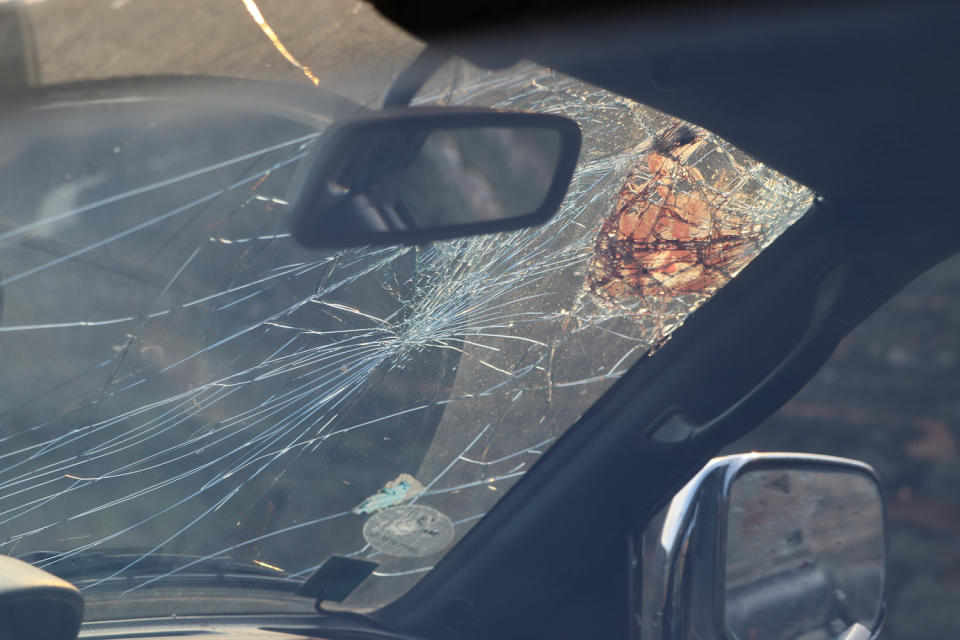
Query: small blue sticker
{"type": "Point", "coordinates": [402, 488]}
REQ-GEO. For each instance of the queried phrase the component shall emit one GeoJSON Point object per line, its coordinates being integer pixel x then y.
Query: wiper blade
{"type": "Point", "coordinates": [88, 563]}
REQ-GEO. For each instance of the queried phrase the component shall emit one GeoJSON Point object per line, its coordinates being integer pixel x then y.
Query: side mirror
{"type": "Point", "coordinates": [416, 175]}
{"type": "Point", "coordinates": [768, 547]}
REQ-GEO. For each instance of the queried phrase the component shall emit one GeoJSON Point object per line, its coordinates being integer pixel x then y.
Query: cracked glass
{"type": "Point", "coordinates": [183, 382]}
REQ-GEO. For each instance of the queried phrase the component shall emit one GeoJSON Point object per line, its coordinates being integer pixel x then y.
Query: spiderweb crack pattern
{"type": "Point", "coordinates": [183, 378]}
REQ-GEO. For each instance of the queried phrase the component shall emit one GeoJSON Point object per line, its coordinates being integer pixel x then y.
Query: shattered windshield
{"type": "Point", "coordinates": [181, 379]}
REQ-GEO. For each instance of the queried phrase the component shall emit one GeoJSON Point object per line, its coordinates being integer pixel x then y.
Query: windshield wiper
{"type": "Point", "coordinates": [336, 577]}
{"type": "Point", "coordinates": [89, 563]}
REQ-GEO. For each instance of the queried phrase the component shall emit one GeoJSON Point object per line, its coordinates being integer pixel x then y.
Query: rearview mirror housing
{"type": "Point", "coordinates": [767, 546]}
{"type": "Point", "coordinates": [409, 176]}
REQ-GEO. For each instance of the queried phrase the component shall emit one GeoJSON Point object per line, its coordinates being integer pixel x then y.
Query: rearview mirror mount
{"type": "Point", "coordinates": [409, 176]}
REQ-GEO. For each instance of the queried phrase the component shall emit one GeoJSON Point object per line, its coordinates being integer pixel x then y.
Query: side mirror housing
{"type": "Point", "coordinates": [409, 176]}
{"type": "Point", "coordinates": [768, 547]}
{"type": "Point", "coordinates": [36, 604]}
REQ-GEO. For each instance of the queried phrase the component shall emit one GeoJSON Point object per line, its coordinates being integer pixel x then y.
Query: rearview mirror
{"type": "Point", "coordinates": [416, 175]}
{"type": "Point", "coordinates": [769, 547]}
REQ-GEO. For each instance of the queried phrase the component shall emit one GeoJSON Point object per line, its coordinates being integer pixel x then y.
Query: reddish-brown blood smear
{"type": "Point", "coordinates": [669, 232]}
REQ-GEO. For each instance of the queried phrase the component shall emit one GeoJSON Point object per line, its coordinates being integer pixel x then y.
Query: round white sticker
{"type": "Point", "coordinates": [409, 531]}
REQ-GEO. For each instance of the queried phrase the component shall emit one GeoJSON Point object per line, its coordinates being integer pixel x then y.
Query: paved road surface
{"type": "Point", "coordinates": [345, 43]}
